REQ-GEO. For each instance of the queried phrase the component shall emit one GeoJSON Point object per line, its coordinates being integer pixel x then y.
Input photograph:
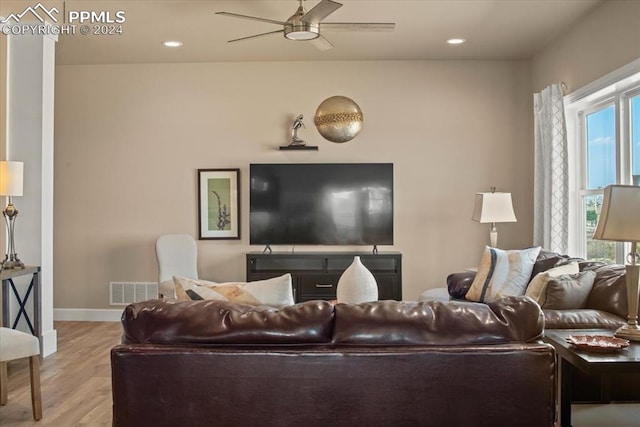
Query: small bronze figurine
{"type": "Point", "coordinates": [297, 124]}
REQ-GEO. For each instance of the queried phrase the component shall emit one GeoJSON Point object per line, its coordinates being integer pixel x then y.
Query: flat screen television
{"type": "Point", "coordinates": [321, 204]}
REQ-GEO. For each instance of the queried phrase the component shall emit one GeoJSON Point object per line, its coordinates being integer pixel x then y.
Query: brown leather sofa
{"type": "Point", "coordinates": [606, 308]}
{"type": "Point", "coordinates": [384, 363]}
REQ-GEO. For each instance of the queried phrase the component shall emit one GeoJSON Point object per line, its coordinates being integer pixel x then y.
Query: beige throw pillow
{"type": "Point", "coordinates": [275, 292]}
{"type": "Point", "coordinates": [502, 273]}
{"type": "Point", "coordinates": [538, 286]}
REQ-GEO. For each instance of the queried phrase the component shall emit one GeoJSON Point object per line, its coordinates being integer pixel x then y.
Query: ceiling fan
{"type": "Point", "coordinates": [304, 25]}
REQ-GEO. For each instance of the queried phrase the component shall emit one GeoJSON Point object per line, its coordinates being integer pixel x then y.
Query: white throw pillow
{"type": "Point", "coordinates": [538, 286]}
{"type": "Point", "coordinates": [502, 273]}
{"type": "Point", "coordinates": [275, 292]}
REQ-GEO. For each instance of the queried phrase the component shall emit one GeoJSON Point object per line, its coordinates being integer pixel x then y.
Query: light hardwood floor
{"type": "Point", "coordinates": [76, 381]}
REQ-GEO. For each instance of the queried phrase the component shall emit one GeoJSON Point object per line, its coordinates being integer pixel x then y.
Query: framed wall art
{"type": "Point", "coordinates": [218, 204]}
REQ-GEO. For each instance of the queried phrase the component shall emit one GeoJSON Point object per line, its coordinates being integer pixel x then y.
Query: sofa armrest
{"type": "Point", "coordinates": [459, 283]}
{"type": "Point", "coordinates": [609, 291]}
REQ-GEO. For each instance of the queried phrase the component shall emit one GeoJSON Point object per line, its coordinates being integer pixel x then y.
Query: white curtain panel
{"type": "Point", "coordinates": [551, 180]}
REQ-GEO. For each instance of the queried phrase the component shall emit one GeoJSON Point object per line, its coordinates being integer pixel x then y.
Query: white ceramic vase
{"type": "Point", "coordinates": [357, 284]}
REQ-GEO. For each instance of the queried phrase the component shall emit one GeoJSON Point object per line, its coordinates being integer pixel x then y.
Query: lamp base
{"type": "Point", "coordinates": [493, 235]}
{"type": "Point", "coordinates": [629, 332]}
{"type": "Point", "coordinates": [11, 260]}
{"type": "Point", "coordinates": [10, 265]}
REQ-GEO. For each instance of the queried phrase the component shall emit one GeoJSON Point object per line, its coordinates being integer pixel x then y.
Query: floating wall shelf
{"type": "Point", "coordinates": [299, 147]}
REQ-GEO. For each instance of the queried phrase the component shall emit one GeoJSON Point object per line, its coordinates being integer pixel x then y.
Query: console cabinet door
{"type": "Point", "coordinates": [388, 286]}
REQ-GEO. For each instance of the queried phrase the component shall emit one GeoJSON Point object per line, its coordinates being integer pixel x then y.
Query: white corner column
{"type": "Point", "coordinates": [30, 112]}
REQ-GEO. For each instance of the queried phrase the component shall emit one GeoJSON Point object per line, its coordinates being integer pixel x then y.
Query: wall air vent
{"type": "Point", "coordinates": [124, 293]}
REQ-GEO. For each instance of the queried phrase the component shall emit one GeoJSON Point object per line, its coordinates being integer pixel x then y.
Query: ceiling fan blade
{"type": "Point", "coordinates": [357, 26]}
{"type": "Point", "coordinates": [256, 35]}
{"type": "Point", "coordinates": [321, 11]}
{"type": "Point", "coordinates": [321, 43]}
{"type": "Point", "coordinates": [253, 18]}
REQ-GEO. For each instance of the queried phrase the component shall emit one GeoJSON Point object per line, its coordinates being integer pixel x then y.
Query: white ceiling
{"type": "Point", "coordinates": [494, 29]}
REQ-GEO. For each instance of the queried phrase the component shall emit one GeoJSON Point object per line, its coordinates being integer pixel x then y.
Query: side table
{"type": "Point", "coordinates": [570, 358]}
{"type": "Point", "coordinates": [7, 277]}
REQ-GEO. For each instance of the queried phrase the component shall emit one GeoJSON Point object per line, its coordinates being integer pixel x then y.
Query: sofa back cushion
{"type": "Point", "coordinates": [459, 283]}
{"type": "Point", "coordinates": [223, 322]}
{"type": "Point", "coordinates": [609, 292]}
{"type": "Point", "coordinates": [510, 319]}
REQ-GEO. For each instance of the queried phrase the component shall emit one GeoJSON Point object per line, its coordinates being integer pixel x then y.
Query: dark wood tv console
{"type": "Point", "coordinates": [315, 274]}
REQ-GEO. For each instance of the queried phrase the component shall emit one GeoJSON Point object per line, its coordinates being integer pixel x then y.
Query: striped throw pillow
{"type": "Point", "coordinates": [502, 273]}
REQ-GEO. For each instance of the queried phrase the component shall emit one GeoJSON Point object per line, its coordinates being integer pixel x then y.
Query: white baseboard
{"type": "Point", "coordinates": [87, 314]}
{"type": "Point", "coordinates": [49, 342]}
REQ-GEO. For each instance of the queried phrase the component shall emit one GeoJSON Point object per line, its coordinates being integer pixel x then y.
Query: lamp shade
{"type": "Point", "coordinates": [493, 207]}
{"type": "Point", "coordinates": [620, 215]}
{"type": "Point", "coordinates": [11, 178]}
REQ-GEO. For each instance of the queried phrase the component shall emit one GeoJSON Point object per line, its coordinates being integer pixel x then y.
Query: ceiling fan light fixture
{"type": "Point", "coordinates": [172, 43]}
{"type": "Point", "coordinates": [302, 31]}
{"type": "Point", "coordinates": [305, 26]}
{"type": "Point", "coordinates": [456, 41]}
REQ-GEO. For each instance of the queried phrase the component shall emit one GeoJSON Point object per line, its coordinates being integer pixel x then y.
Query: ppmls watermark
{"type": "Point", "coordinates": [84, 22]}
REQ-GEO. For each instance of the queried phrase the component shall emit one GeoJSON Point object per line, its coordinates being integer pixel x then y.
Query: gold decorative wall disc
{"type": "Point", "coordinates": [338, 119]}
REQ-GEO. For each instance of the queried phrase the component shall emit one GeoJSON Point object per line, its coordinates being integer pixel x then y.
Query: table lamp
{"type": "Point", "coordinates": [620, 222]}
{"type": "Point", "coordinates": [11, 185]}
{"type": "Point", "coordinates": [491, 208]}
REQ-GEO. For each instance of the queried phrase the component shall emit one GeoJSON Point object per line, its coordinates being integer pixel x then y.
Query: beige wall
{"type": "Point", "coordinates": [129, 139]}
{"type": "Point", "coordinates": [605, 40]}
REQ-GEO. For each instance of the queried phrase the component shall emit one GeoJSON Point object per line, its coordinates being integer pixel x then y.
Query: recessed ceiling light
{"type": "Point", "coordinates": [172, 43]}
{"type": "Point", "coordinates": [456, 41]}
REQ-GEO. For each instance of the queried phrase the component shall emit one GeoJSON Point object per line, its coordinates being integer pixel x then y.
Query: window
{"type": "Point", "coordinates": [599, 144]}
{"type": "Point", "coordinates": [604, 147]}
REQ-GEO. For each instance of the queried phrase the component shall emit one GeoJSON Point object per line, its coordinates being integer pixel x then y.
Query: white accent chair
{"type": "Point", "coordinates": [19, 345]}
{"type": "Point", "coordinates": [177, 255]}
